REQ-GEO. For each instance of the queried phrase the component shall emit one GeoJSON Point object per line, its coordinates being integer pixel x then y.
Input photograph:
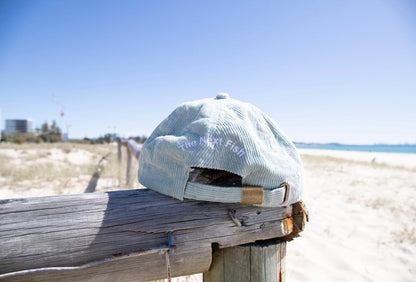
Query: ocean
{"type": "Point", "coordinates": [407, 149]}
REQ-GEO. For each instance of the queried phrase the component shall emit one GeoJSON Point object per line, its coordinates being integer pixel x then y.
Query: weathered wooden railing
{"type": "Point", "coordinates": [133, 151]}
{"type": "Point", "coordinates": [141, 235]}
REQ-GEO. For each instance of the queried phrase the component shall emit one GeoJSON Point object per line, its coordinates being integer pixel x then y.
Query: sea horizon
{"type": "Point", "coordinates": [379, 147]}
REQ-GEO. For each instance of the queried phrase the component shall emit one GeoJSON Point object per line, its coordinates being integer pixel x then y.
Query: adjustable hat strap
{"type": "Point", "coordinates": [246, 195]}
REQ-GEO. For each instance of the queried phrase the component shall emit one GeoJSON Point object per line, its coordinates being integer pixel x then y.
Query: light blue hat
{"type": "Point", "coordinates": [223, 134]}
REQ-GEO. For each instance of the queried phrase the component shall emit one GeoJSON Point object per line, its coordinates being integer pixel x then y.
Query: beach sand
{"type": "Point", "coordinates": [362, 218]}
{"type": "Point", "coordinates": [362, 209]}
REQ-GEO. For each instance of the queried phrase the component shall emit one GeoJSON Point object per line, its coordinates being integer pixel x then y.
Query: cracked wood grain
{"type": "Point", "coordinates": [73, 230]}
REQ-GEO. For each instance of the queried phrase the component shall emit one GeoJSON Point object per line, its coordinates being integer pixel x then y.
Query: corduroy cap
{"type": "Point", "coordinates": [227, 135]}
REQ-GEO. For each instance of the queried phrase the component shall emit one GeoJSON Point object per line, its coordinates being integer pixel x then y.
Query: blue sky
{"type": "Point", "coordinates": [326, 71]}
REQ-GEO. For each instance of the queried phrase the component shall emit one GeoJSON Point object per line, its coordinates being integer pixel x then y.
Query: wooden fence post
{"type": "Point", "coordinates": [129, 170]}
{"type": "Point", "coordinates": [132, 149]}
{"type": "Point", "coordinates": [119, 158]}
{"type": "Point", "coordinates": [263, 261]}
{"type": "Point", "coordinates": [119, 152]}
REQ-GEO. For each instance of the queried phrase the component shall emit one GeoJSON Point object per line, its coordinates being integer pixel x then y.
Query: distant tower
{"type": "Point", "coordinates": [65, 135]}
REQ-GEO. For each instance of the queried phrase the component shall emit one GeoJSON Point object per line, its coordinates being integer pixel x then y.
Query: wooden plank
{"type": "Point", "coordinates": [76, 230]}
{"type": "Point", "coordinates": [134, 148]}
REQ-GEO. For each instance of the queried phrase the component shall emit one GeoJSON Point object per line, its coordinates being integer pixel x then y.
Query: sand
{"type": "Point", "coordinates": [36, 170]}
{"type": "Point", "coordinates": [362, 214]}
{"type": "Point", "coordinates": [361, 206]}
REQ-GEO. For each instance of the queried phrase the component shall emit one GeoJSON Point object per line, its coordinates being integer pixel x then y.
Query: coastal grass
{"type": "Point", "coordinates": [61, 165]}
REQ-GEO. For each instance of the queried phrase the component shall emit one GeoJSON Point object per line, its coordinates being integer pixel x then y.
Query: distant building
{"type": "Point", "coordinates": [14, 126]}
